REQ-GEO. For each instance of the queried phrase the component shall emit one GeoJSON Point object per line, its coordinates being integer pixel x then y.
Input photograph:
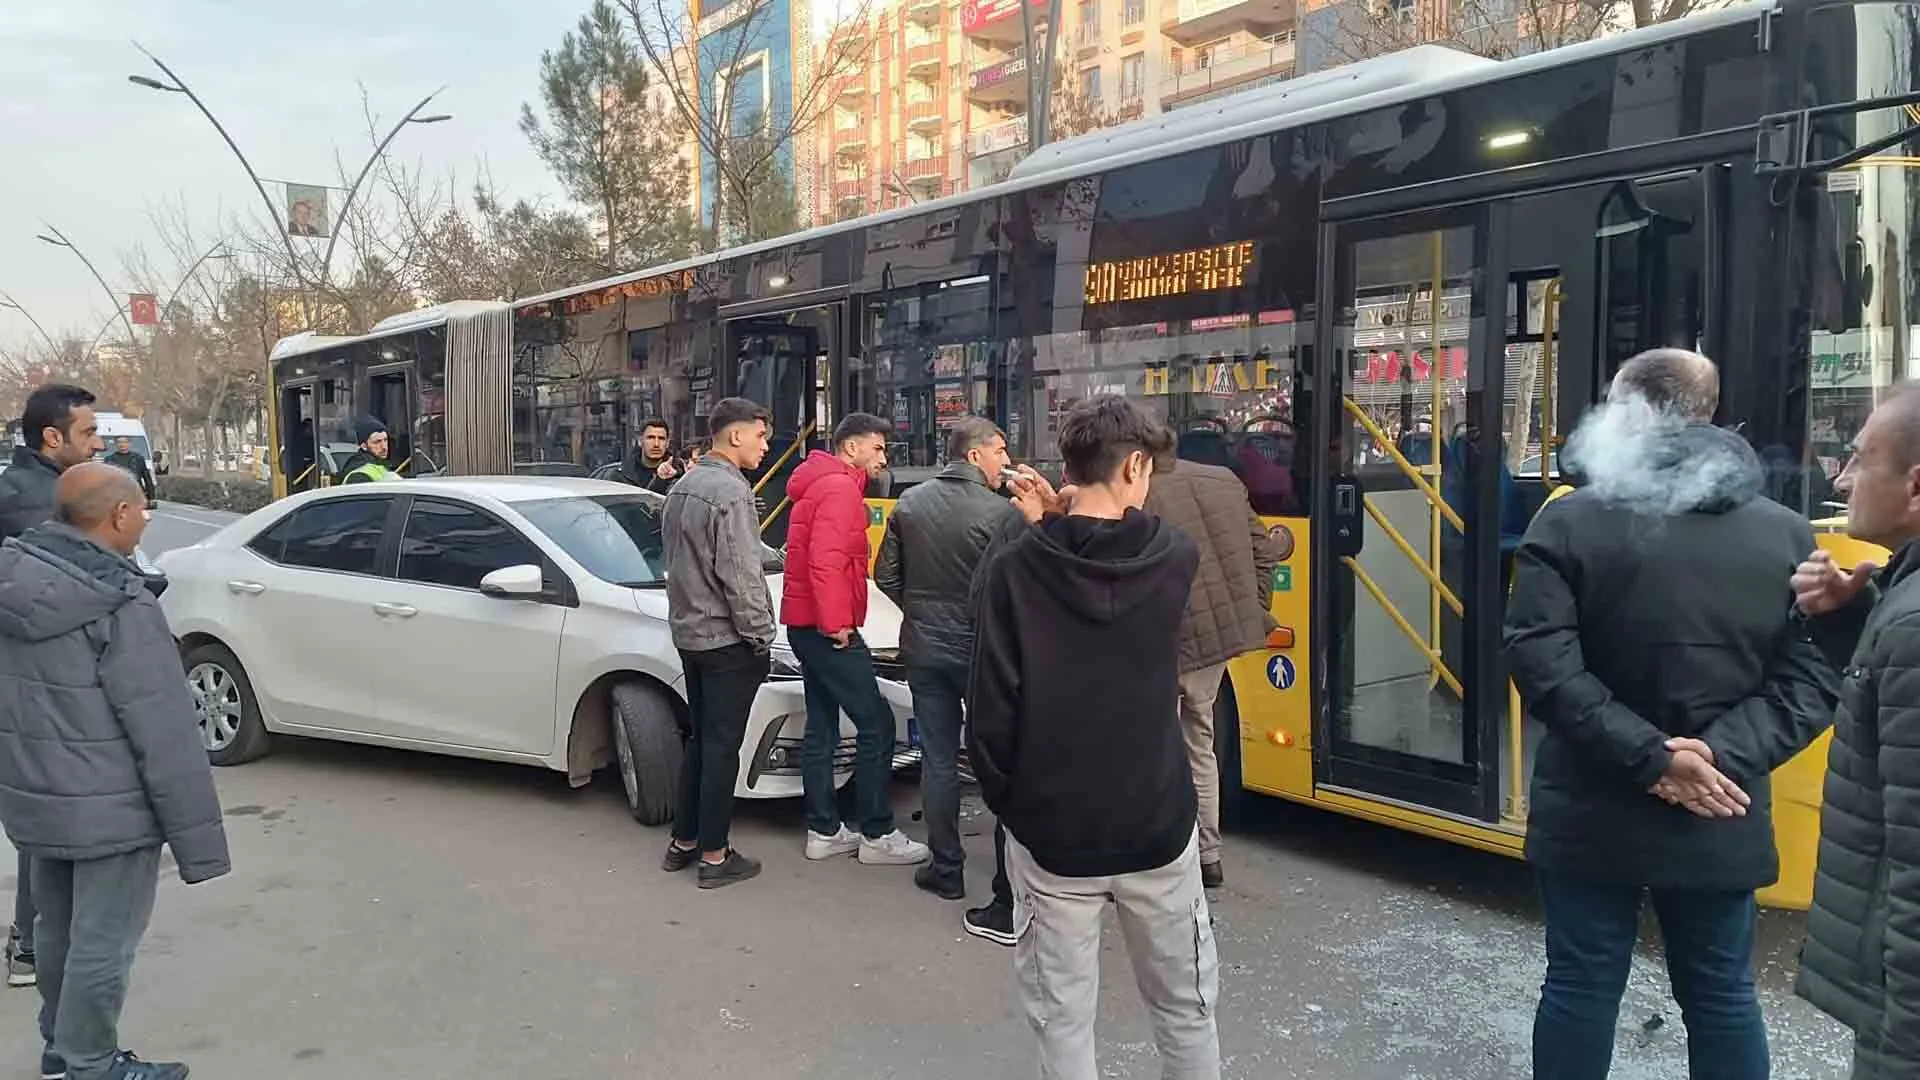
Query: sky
{"type": "Point", "coordinates": [95, 155]}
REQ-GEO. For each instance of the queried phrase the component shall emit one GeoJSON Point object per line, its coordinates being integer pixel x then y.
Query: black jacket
{"type": "Point", "coordinates": [26, 492]}
{"type": "Point", "coordinates": [1861, 959]}
{"type": "Point", "coordinates": [1626, 628]}
{"type": "Point", "coordinates": [933, 544]}
{"type": "Point", "coordinates": [635, 471]}
{"type": "Point", "coordinates": [136, 465]}
{"type": "Point", "coordinates": [1073, 723]}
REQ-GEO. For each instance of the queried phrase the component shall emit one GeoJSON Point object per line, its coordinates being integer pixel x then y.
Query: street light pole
{"type": "Point", "coordinates": [413, 117]}
{"type": "Point", "coordinates": [7, 301]}
{"type": "Point", "coordinates": [213, 252]}
{"type": "Point", "coordinates": [59, 239]}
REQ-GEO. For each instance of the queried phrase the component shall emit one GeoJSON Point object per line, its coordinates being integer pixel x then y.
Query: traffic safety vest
{"type": "Point", "coordinates": [373, 470]}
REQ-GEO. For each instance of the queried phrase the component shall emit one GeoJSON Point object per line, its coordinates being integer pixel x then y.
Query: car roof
{"type": "Point", "coordinates": [514, 489]}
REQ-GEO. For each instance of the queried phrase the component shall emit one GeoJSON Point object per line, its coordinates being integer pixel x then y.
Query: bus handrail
{"type": "Point", "coordinates": [302, 478]}
{"type": "Point", "coordinates": [774, 514]}
{"type": "Point", "coordinates": [1434, 659]}
{"type": "Point", "coordinates": [1406, 548]}
{"type": "Point", "coordinates": [1413, 471]}
{"type": "Point", "coordinates": [1549, 440]}
{"type": "Point", "coordinates": [799, 440]}
{"type": "Point", "coordinates": [1516, 807]}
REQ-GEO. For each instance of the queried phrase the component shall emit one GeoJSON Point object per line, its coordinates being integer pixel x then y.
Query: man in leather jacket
{"type": "Point", "coordinates": [933, 543]}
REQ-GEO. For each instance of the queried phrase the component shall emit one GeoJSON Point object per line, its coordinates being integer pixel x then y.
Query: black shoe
{"type": "Point", "coordinates": [993, 922]}
{"type": "Point", "coordinates": [1211, 876]}
{"type": "Point", "coordinates": [127, 1067]}
{"type": "Point", "coordinates": [735, 867]}
{"type": "Point", "coordinates": [945, 882]}
{"type": "Point", "coordinates": [678, 858]}
{"type": "Point", "coordinates": [52, 1065]}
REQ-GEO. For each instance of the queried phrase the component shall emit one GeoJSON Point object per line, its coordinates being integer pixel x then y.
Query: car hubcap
{"type": "Point", "coordinates": [216, 701]}
{"type": "Point", "coordinates": [629, 776]}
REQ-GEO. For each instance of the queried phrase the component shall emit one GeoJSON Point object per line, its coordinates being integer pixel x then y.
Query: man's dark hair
{"type": "Point", "coordinates": [1672, 381]}
{"type": "Point", "coordinates": [656, 422]}
{"type": "Point", "coordinates": [736, 410]}
{"type": "Point", "coordinates": [969, 432]}
{"type": "Point", "coordinates": [857, 424]}
{"type": "Point", "coordinates": [51, 406]}
{"type": "Point", "coordinates": [1100, 432]}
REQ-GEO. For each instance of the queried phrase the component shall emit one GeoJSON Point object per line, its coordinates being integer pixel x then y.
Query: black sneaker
{"type": "Point", "coordinates": [993, 922]}
{"type": "Point", "coordinates": [735, 867]}
{"type": "Point", "coordinates": [678, 858]}
{"type": "Point", "coordinates": [127, 1067]}
{"type": "Point", "coordinates": [52, 1065]}
{"type": "Point", "coordinates": [1211, 876]}
{"type": "Point", "coordinates": [945, 882]}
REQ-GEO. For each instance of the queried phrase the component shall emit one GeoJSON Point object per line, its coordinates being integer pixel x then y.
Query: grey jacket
{"type": "Point", "coordinates": [26, 492]}
{"type": "Point", "coordinates": [99, 752]}
{"type": "Point", "coordinates": [716, 582]}
{"type": "Point", "coordinates": [1861, 960]}
{"type": "Point", "coordinates": [935, 539]}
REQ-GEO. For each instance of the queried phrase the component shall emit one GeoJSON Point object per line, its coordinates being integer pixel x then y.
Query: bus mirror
{"type": "Point", "coordinates": [1344, 525]}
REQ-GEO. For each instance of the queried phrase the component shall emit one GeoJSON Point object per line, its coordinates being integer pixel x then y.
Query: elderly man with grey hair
{"type": "Point", "coordinates": [1649, 634]}
{"type": "Point", "coordinates": [934, 541]}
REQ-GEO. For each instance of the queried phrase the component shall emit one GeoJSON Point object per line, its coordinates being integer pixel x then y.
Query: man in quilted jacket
{"type": "Point", "coordinates": [1861, 960]}
{"type": "Point", "coordinates": [823, 604]}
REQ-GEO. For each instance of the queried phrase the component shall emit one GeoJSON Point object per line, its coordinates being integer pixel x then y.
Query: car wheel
{"type": "Point", "coordinates": [223, 701]}
{"type": "Point", "coordinates": [648, 743]}
{"type": "Point", "coordinates": [1226, 754]}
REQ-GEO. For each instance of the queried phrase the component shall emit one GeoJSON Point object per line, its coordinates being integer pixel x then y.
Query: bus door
{"type": "Point", "coordinates": [299, 437]}
{"type": "Point", "coordinates": [391, 402]}
{"type": "Point", "coordinates": [788, 361]}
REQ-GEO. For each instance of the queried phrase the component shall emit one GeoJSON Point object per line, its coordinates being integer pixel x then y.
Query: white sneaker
{"type": "Point", "coordinates": [894, 849]}
{"type": "Point", "coordinates": [820, 846]}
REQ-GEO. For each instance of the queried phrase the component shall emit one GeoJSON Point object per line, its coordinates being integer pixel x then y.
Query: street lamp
{"type": "Point", "coordinates": [412, 117]}
{"type": "Point", "coordinates": [59, 239]}
{"type": "Point", "coordinates": [211, 254]}
{"type": "Point", "coordinates": [9, 302]}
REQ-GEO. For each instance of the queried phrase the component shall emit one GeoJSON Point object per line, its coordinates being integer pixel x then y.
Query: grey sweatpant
{"type": "Point", "coordinates": [23, 910]}
{"type": "Point", "coordinates": [1169, 933]}
{"type": "Point", "coordinates": [92, 915]}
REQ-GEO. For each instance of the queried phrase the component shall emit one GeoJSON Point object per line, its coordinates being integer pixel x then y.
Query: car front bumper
{"type": "Point", "coordinates": [770, 754]}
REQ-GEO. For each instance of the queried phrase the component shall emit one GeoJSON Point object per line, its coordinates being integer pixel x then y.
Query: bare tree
{"type": "Point", "coordinates": [493, 251]}
{"type": "Point", "coordinates": [743, 143]}
{"type": "Point", "coordinates": [1498, 29]}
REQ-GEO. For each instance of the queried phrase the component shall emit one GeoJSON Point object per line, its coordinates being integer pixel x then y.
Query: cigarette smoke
{"type": "Point", "coordinates": [1657, 462]}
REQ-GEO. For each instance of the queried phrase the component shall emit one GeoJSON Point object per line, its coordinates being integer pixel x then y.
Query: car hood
{"type": "Point", "coordinates": [882, 631]}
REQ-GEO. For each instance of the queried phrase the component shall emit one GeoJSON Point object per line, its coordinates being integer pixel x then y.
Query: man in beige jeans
{"type": "Point", "coordinates": [1227, 614]}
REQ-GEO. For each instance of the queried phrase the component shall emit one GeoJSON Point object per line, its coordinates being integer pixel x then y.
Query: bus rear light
{"type": "Point", "coordinates": [1280, 637]}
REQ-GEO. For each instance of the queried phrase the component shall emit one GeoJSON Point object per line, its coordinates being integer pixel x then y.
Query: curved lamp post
{"type": "Point", "coordinates": [7, 301]}
{"type": "Point", "coordinates": [212, 253]}
{"type": "Point", "coordinates": [59, 239]}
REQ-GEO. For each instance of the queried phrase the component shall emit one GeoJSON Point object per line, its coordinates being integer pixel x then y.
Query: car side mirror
{"type": "Point", "coordinates": [513, 582]}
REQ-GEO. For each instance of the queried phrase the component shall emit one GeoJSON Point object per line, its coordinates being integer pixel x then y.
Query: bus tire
{"type": "Point", "coordinates": [649, 748]}
{"type": "Point", "coordinates": [1226, 754]}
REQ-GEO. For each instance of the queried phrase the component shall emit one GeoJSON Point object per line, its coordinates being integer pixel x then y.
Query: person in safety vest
{"type": "Point", "coordinates": [369, 463]}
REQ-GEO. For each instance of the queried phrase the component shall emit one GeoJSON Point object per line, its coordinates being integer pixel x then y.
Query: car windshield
{"type": "Point", "coordinates": [615, 537]}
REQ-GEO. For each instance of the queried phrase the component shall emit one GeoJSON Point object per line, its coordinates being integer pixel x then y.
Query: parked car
{"type": "Point", "coordinates": [511, 618]}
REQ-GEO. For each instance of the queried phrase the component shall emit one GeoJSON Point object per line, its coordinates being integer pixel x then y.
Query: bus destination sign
{"type": "Point", "coordinates": [1153, 276]}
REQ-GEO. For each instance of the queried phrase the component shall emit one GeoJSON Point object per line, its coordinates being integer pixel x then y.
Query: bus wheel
{"type": "Point", "coordinates": [646, 739]}
{"type": "Point", "coordinates": [1226, 754]}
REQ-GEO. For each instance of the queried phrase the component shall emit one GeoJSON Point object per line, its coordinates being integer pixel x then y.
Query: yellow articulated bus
{"type": "Point", "coordinates": [1379, 294]}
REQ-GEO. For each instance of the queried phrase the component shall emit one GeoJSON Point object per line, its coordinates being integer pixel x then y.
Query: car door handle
{"type": "Point", "coordinates": [402, 611]}
{"type": "Point", "coordinates": [250, 588]}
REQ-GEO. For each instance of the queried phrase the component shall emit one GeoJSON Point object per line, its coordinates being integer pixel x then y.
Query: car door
{"type": "Point", "coordinates": [302, 603]}
{"type": "Point", "coordinates": [463, 669]}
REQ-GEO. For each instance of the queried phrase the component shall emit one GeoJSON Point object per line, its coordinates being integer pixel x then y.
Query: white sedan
{"type": "Point", "coordinates": [518, 619]}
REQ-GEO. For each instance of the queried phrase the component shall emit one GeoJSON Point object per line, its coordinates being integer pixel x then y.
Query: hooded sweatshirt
{"type": "Point", "coordinates": [99, 749]}
{"type": "Point", "coordinates": [1073, 719]}
{"type": "Point", "coordinates": [1651, 602]}
{"type": "Point", "coordinates": [825, 586]}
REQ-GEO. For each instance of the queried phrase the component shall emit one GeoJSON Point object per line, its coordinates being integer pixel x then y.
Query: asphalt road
{"type": "Point", "coordinates": [422, 918]}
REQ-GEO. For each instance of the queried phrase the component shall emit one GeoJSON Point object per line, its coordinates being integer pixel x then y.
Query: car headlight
{"type": "Point", "coordinates": [782, 663]}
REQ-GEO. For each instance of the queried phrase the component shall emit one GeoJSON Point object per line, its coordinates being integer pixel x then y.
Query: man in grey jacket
{"type": "Point", "coordinates": [721, 616]}
{"type": "Point", "coordinates": [100, 762]}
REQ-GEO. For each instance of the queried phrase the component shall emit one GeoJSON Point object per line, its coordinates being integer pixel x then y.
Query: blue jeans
{"type": "Point", "coordinates": [938, 693]}
{"type": "Point", "coordinates": [837, 679]}
{"type": "Point", "coordinates": [1591, 929]}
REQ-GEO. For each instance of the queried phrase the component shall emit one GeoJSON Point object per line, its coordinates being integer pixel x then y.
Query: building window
{"type": "Point", "coordinates": [1089, 22]}
{"type": "Point", "coordinates": [1090, 84]}
{"type": "Point", "coordinates": [1133, 75]}
{"type": "Point", "coordinates": [1133, 12]}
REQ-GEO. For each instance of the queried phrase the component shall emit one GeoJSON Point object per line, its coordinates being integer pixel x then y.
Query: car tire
{"type": "Point", "coordinates": [220, 687]}
{"type": "Point", "coordinates": [1226, 754]}
{"type": "Point", "coordinates": [649, 748]}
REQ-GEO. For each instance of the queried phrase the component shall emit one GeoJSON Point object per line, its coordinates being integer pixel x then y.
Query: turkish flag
{"type": "Point", "coordinates": [146, 311]}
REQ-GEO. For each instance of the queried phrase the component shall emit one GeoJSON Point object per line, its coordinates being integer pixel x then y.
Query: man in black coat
{"type": "Point", "coordinates": [1650, 633]}
{"type": "Point", "coordinates": [1861, 960]}
{"type": "Point", "coordinates": [933, 544]}
{"type": "Point", "coordinates": [60, 432]}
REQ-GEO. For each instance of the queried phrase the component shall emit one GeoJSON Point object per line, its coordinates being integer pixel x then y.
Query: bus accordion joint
{"type": "Point", "coordinates": [1280, 637]}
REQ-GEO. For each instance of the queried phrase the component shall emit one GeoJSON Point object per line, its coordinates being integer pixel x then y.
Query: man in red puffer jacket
{"type": "Point", "coordinates": [823, 603]}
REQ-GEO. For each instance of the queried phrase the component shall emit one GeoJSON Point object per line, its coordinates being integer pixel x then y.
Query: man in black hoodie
{"type": "Point", "coordinates": [1075, 737]}
{"type": "Point", "coordinates": [1649, 633]}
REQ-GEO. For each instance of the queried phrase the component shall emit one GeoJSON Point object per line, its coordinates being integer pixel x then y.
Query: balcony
{"type": "Point", "coordinates": [998, 21]}
{"type": "Point", "coordinates": [1004, 135]}
{"type": "Point", "coordinates": [1000, 81]}
{"type": "Point", "coordinates": [852, 91]}
{"type": "Point", "coordinates": [925, 116]}
{"type": "Point", "coordinates": [923, 61]}
{"type": "Point", "coordinates": [1225, 69]}
{"type": "Point", "coordinates": [926, 12]}
{"type": "Point", "coordinates": [850, 142]}
{"type": "Point", "coordinates": [926, 175]}
{"type": "Point", "coordinates": [1200, 21]}
{"type": "Point", "coordinates": [846, 191]}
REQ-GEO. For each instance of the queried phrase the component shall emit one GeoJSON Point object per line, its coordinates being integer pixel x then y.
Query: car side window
{"type": "Point", "coordinates": [338, 534]}
{"type": "Point", "coordinates": [449, 544]}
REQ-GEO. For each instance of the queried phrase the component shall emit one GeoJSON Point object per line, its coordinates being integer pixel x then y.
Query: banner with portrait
{"type": "Point", "coordinates": [307, 211]}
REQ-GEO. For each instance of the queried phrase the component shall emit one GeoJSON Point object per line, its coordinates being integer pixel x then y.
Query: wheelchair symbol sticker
{"type": "Point", "coordinates": [1280, 672]}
